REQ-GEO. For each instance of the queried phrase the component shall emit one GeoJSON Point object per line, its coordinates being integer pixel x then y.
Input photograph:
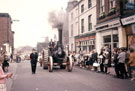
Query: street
{"type": "Point", "coordinates": [61, 80]}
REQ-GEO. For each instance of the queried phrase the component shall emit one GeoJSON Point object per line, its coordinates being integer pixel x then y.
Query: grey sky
{"type": "Point", "coordinates": [33, 16]}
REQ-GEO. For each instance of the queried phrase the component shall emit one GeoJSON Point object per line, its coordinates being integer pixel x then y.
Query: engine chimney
{"type": "Point", "coordinates": [60, 34]}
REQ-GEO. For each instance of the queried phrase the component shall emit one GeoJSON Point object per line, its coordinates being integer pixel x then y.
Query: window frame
{"type": "Point", "coordinates": [72, 30]}
{"type": "Point", "coordinates": [71, 16]}
{"type": "Point", "coordinates": [131, 1]}
{"type": "Point", "coordinates": [89, 4]}
{"type": "Point", "coordinates": [89, 23]}
{"type": "Point", "coordinates": [82, 8]}
{"type": "Point", "coordinates": [102, 6]}
{"type": "Point", "coordinates": [112, 4]}
{"type": "Point", "coordinates": [82, 25]}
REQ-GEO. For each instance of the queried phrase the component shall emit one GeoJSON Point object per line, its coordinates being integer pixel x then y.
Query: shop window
{"type": "Point", "coordinates": [115, 45]}
{"type": "Point", "coordinates": [107, 41]}
{"type": "Point", "coordinates": [107, 38]}
{"type": "Point", "coordinates": [115, 38]}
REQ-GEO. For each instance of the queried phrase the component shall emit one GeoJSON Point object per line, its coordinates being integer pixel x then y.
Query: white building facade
{"type": "Point", "coordinates": [73, 27]}
{"type": "Point", "coordinates": [82, 19]}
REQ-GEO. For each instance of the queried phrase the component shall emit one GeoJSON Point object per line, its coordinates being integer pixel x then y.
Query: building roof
{"type": "Point", "coordinates": [4, 15]}
{"type": "Point", "coordinates": [74, 3]}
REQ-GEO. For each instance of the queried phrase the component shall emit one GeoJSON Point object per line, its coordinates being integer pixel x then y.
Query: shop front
{"type": "Point", "coordinates": [109, 34]}
{"type": "Point", "coordinates": [109, 37]}
{"type": "Point", "coordinates": [130, 31]}
{"type": "Point", "coordinates": [85, 43]}
{"type": "Point", "coordinates": [129, 26]}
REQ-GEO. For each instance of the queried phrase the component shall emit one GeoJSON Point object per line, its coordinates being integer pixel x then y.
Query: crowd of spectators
{"type": "Point", "coordinates": [121, 59]}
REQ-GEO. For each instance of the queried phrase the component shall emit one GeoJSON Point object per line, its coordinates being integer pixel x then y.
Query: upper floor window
{"type": "Point", "coordinates": [130, 4]}
{"type": "Point", "coordinates": [76, 12]}
{"type": "Point", "coordinates": [112, 4]}
{"type": "Point", "coordinates": [131, 1]}
{"type": "Point", "coordinates": [82, 25]}
{"type": "Point", "coordinates": [89, 3]}
{"type": "Point", "coordinates": [102, 6]}
{"type": "Point", "coordinates": [82, 8]}
{"type": "Point", "coordinates": [89, 23]}
{"type": "Point", "coordinates": [72, 16]}
{"type": "Point", "coordinates": [72, 30]}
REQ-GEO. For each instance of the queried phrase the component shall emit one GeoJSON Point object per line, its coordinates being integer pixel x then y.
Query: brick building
{"type": "Point", "coordinates": [6, 33]}
{"type": "Point", "coordinates": [109, 29]}
{"type": "Point", "coordinates": [115, 23]}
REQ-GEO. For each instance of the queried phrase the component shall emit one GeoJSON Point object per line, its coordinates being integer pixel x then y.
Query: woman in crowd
{"type": "Point", "coordinates": [107, 62]}
{"type": "Point", "coordinates": [81, 61]}
{"type": "Point", "coordinates": [90, 60]}
{"type": "Point", "coordinates": [94, 58]}
{"type": "Point", "coordinates": [102, 60]}
{"type": "Point", "coordinates": [132, 63]}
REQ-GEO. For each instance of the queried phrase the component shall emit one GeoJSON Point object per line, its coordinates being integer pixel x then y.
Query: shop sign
{"type": "Point", "coordinates": [128, 20]}
{"type": "Point", "coordinates": [85, 38]}
{"type": "Point", "coordinates": [130, 6]}
{"type": "Point", "coordinates": [133, 28]}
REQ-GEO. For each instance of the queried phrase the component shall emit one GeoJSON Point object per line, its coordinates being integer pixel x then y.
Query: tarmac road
{"type": "Point", "coordinates": [61, 80]}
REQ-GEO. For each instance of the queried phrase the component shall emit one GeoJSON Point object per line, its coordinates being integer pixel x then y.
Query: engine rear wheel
{"type": "Point", "coordinates": [50, 64]}
{"type": "Point", "coordinates": [69, 63]}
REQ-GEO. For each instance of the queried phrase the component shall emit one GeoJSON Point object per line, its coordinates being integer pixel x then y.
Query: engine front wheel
{"type": "Point", "coordinates": [50, 64]}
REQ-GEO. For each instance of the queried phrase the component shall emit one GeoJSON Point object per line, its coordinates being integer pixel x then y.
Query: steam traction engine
{"type": "Point", "coordinates": [57, 56]}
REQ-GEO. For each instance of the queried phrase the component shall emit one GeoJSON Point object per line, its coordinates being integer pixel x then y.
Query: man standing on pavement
{"type": "Point", "coordinates": [33, 58]}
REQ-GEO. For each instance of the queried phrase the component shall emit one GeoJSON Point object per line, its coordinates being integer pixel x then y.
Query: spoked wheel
{"type": "Point", "coordinates": [50, 64]}
{"type": "Point", "coordinates": [69, 64]}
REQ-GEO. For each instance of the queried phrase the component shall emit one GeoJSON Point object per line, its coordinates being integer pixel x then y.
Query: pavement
{"type": "Point", "coordinates": [12, 68]}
